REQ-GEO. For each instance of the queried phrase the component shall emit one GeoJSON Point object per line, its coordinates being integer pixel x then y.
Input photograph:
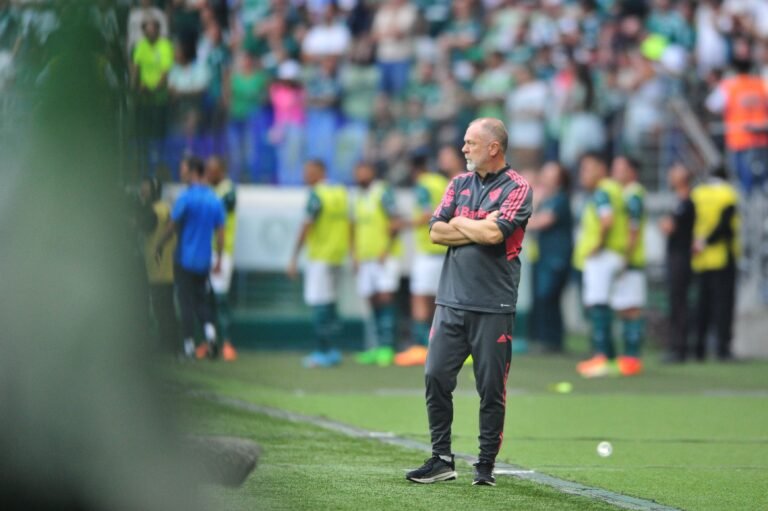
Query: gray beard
{"type": "Point", "coordinates": [471, 166]}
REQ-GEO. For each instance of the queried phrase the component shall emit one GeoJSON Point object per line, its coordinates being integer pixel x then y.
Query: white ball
{"type": "Point", "coordinates": [604, 449]}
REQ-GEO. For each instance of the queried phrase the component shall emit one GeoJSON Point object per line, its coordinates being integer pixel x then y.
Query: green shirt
{"type": "Point", "coordinates": [249, 92]}
{"type": "Point", "coordinates": [361, 86]}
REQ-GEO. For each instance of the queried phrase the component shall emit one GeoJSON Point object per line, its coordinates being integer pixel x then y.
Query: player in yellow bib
{"type": "Point", "coordinates": [628, 296]}
{"type": "Point", "coordinates": [325, 231]}
{"type": "Point", "coordinates": [427, 260]}
{"type": "Point", "coordinates": [599, 255]}
{"type": "Point", "coordinates": [216, 175]}
{"type": "Point", "coordinates": [716, 251]}
{"type": "Point", "coordinates": [156, 213]}
{"type": "Point", "coordinates": [375, 249]}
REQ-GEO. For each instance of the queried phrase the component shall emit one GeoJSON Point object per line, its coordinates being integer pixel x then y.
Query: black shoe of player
{"type": "Point", "coordinates": [484, 474]}
{"type": "Point", "coordinates": [213, 350]}
{"type": "Point", "coordinates": [433, 470]}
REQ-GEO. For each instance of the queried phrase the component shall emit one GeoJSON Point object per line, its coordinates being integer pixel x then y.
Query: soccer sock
{"type": "Point", "coordinates": [420, 332]}
{"type": "Point", "coordinates": [323, 319]}
{"type": "Point", "coordinates": [189, 346]}
{"type": "Point", "coordinates": [210, 332]}
{"type": "Point", "coordinates": [634, 331]}
{"type": "Point", "coordinates": [601, 317]}
{"type": "Point", "coordinates": [385, 324]}
{"type": "Point", "coordinates": [223, 316]}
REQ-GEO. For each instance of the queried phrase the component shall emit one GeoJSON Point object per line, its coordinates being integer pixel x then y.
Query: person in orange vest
{"type": "Point", "coordinates": [742, 98]}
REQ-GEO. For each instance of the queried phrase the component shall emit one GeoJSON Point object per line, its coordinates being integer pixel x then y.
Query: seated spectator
{"type": "Point", "coordinates": [392, 28]}
{"type": "Point", "coordinates": [144, 11]}
{"type": "Point", "coordinates": [325, 38]}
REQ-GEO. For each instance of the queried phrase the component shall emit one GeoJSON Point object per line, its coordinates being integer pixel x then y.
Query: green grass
{"type": "Point", "coordinates": [691, 436]}
{"type": "Point", "coordinates": [305, 467]}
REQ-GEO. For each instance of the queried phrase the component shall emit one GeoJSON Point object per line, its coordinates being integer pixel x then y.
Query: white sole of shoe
{"type": "Point", "coordinates": [484, 483]}
{"type": "Point", "coordinates": [445, 476]}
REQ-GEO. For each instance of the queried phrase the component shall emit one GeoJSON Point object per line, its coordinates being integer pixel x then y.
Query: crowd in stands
{"type": "Point", "coordinates": [271, 83]}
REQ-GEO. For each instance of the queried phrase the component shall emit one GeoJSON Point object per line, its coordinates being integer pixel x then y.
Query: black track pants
{"type": "Point", "coordinates": [455, 335]}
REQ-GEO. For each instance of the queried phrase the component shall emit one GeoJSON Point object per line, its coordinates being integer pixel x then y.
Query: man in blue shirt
{"type": "Point", "coordinates": [196, 216]}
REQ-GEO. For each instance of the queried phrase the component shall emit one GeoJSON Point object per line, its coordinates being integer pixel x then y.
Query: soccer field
{"type": "Point", "coordinates": [691, 437]}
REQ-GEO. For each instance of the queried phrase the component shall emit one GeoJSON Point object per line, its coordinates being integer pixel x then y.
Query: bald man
{"type": "Point", "coordinates": [482, 220]}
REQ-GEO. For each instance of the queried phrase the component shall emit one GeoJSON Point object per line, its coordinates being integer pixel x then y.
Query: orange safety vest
{"type": "Point", "coordinates": [746, 104]}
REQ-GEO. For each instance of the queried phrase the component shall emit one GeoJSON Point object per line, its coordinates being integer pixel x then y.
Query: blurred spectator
{"type": "Point", "coordinates": [322, 96]}
{"type": "Point", "coordinates": [644, 113]}
{"type": "Point", "coordinates": [581, 129]}
{"type": "Point", "coordinates": [392, 28]}
{"type": "Point", "coordinates": [743, 101]}
{"type": "Point", "coordinates": [328, 37]}
{"type": "Point", "coordinates": [716, 250]}
{"type": "Point", "coordinates": [711, 42]}
{"type": "Point", "coordinates": [185, 20]}
{"type": "Point", "coordinates": [666, 20]}
{"type": "Point", "coordinates": [213, 53]}
{"type": "Point", "coordinates": [152, 60]}
{"type": "Point", "coordinates": [458, 41]}
{"type": "Point", "coordinates": [526, 107]}
{"type": "Point", "coordinates": [678, 227]}
{"type": "Point", "coordinates": [248, 121]}
{"type": "Point", "coordinates": [144, 11]}
{"type": "Point", "coordinates": [188, 81]}
{"type": "Point", "coordinates": [492, 86]}
{"type": "Point", "coordinates": [503, 23]}
{"type": "Point", "coordinates": [287, 133]}
{"type": "Point", "coordinates": [10, 40]}
{"type": "Point", "coordinates": [272, 41]}
{"type": "Point", "coordinates": [359, 80]}
{"type": "Point", "coordinates": [552, 224]}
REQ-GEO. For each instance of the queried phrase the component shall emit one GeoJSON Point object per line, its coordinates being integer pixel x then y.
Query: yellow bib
{"type": "Point", "coordinates": [435, 184]}
{"type": "Point", "coordinates": [328, 238]}
{"type": "Point", "coordinates": [589, 231]}
{"type": "Point", "coordinates": [372, 225]}
{"type": "Point", "coordinates": [710, 200]}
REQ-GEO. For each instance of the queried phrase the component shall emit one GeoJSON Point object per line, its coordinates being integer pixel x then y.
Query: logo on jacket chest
{"type": "Point", "coordinates": [477, 205]}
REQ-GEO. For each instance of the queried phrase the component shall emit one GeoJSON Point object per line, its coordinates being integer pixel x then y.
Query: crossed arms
{"type": "Point", "coordinates": [463, 231]}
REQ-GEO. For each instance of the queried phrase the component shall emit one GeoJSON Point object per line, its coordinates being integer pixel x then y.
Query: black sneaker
{"type": "Point", "coordinates": [433, 470]}
{"type": "Point", "coordinates": [484, 474]}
